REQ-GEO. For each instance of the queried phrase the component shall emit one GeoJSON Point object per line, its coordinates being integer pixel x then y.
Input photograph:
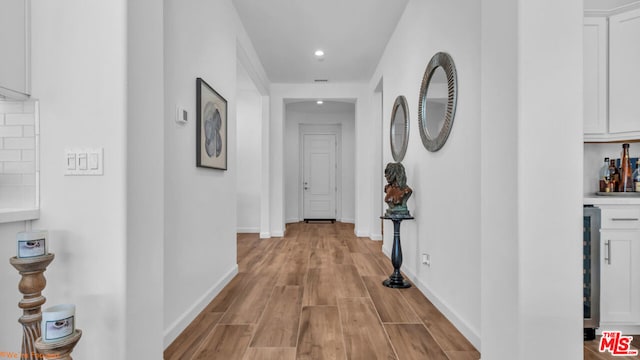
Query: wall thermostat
{"type": "Point", "coordinates": [182, 116]}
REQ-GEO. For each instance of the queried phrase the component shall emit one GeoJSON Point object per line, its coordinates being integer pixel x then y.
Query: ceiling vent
{"type": "Point", "coordinates": [321, 80]}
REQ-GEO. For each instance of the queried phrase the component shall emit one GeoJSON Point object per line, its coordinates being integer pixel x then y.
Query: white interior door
{"type": "Point", "coordinates": [319, 176]}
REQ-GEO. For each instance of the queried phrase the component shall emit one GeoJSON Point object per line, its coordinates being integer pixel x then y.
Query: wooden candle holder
{"type": "Point", "coordinates": [59, 350]}
{"type": "Point", "coordinates": [31, 286]}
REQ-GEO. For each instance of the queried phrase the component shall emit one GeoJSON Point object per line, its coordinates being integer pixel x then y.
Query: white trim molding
{"type": "Point", "coordinates": [178, 326]}
{"type": "Point", "coordinates": [609, 12]}
{"type": "Point", "coordinates": [247, 230]}
{"type": "Point", "coordinates": [467, 331]}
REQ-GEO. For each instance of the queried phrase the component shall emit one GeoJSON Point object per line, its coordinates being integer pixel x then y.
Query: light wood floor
{"type": "Point", "coordinates": [318, 294]}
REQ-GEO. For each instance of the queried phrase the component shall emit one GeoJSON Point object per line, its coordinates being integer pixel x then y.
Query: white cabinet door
{"type": "Point", "coordinates": [14, 48]}
{"type": "Point", "coordinates": [620, 277]}
{"type": "Point", "coordinates": [595, 75]}
{"type": "Point", "coordinates": [624, 72]}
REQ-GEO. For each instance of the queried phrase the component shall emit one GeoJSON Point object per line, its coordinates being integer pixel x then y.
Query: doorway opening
{"type": "Point", "coordinates": [319, 151]}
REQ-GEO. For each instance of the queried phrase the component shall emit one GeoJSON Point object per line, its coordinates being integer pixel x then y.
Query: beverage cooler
{"type": "Point", "coordinates": [591, 271]}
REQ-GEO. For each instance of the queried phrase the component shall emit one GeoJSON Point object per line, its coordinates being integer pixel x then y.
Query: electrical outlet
{"type": "Point", "coordinates": [426, 259]}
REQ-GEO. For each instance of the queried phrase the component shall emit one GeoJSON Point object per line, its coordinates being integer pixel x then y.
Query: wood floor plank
{"type": "Point", "coordinates": [366, 264]}
{"type": "Point", "coordinates": [188, 341]}
{"type": "Point", "coordinates": [336, 255]}
{"type": "Point", "coordinates": [320, 289]}
{"type": "Point", "coordinates": [389, 303]}
{"type": "Point", "coordinates": [326, 284]}
{"type": "Point", "coordinates": [250, 303]}
{"type": "Point", "coordinates": [279, 324]}
{"type": "Point", "coordinates": [364, 335]}
{"type": "Point", "coordinates": [449, 338]}
{"type": "Point", "coordinates": [225, 342]}
{"type": "Point", "coordinates": [270, 354]}
{"type": "Point", "coordinates": [384, 262]}
{"type": "Point", "coordinates": [295, 270]}
{"type": "Point", "coordinates": [228, 294]}
{"type": "Point", "coordinates": [349, 282]}
{"type": "Point", "coordinates": [357, 245]}
{"type": "Point", "coordinates": [413, 341]}
{"type": "Point", "coordinates": [320, 334]}
{"type": "Point", "coordinates": [255, 258]}
{"type": "Point", "coordinates": [462, 355]}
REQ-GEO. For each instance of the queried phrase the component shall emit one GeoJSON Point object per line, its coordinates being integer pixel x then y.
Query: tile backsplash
{"type": "Point", "coordinates": [18, 154]}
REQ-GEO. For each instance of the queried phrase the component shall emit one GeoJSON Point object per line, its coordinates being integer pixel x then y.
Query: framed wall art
{"type": "Point", "coordinates": [211, 127]}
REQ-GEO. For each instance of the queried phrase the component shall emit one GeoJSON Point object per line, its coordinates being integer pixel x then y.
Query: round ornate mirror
{"type": "Point", "coordinates": [437, 104]}
{"type": "Point", "coordinates": [399, 128]}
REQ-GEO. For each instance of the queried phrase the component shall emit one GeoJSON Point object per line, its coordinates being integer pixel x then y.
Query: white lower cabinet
{"type": "Point", "coordinates": [620, 277]}
{"type": "Point", "coordinates": [620, 267]}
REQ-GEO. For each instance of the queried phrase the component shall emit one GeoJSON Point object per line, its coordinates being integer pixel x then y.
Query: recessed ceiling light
{"type": "Point", "coordinates": [319, 102]}
{"type": "Point", "coordinates": [319, 53]}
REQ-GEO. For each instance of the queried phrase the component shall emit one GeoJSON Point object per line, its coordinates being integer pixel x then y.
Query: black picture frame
{"type": "Point", "coordinates": [211, 127]}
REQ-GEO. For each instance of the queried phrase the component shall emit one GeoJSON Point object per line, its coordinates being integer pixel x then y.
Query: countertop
{"type": "Point", "coordinates": [13, 215]}
{"type": "Point", "coordinates": [593, 199]}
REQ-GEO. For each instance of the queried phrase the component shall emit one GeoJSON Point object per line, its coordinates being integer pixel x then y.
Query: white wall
{"type": "Point", "coordinates": [330, 113]}
{"type": "Point", "coordinates": [79, 76]}
{"type": "Point", "coordinates": [531, 257]}
{"type": "Point", "coordinates": [446, 196]}
{"type": "Point", "coordinates": [363, 148]}
{"type": "Point", "coordinates": [484, 192]}
{"type": "Point", "coordinates": [249, 140]}
{"type": "Point", "coordinates": [145, 180]}
{"type": "Point", "coordinates": [200, 204]}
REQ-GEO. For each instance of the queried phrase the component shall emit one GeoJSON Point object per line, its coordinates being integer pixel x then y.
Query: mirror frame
{"type": "Point", "coordinates": [445, 61]}
{"type": "Point", "coordinates": [398, 154]}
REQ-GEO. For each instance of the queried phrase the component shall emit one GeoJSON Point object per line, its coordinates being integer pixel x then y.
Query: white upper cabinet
{"type": "Point", "coordinates": [624, 73]}
{"type": "Point", "coordinates": [611, 69]}
{"type": "Point", "coordinates": [595, 75]}
{"type": "Point", "coordinates": [15, 48]}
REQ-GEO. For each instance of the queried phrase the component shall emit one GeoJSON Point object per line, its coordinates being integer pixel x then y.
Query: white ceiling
{"type": "Point", "coordinates": [329, 107]}
{"type": "Point", "coordinates": [606, 5]}
{"type": "Point", "coordinates": [352, 33]}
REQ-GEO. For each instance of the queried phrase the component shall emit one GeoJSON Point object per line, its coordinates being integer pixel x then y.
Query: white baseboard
{"type": "Point", "coordinates": [361, 234]}
{"type": "Point", "coordinates": [348, 221]}
{"type": "Point", "coordinates": [178, 326]}
{"type": "Point", "coordinates": [462, 326]}
{"type": "Point", "coordinates": [277, 234]}
{"type": "Point", "coordinates": [265, 235]}
{"type": "Point", "coordinates": [376, 237]}
{"type": "Point", "coordinates": [248, 230]}
{"type": "Point", "coordinates": [289, 221]}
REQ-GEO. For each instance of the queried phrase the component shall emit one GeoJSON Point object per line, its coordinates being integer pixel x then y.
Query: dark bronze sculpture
{"type": "Point", "coordinates": [397, 192]}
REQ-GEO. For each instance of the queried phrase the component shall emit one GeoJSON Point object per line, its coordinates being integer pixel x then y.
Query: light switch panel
{"type": "Point", "coordinates": [84, 161]}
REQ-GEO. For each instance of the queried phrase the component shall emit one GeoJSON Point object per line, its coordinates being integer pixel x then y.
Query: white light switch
{"type": "Point", "coordinates": [84, 161]}
{"type": "Point", "coordinates": [93, 161]}
{"type": "Point", "coordinates": [71, 161]}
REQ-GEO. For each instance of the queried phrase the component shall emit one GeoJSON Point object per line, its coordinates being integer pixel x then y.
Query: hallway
{"type": "Point", "coordinates": [317, 294]}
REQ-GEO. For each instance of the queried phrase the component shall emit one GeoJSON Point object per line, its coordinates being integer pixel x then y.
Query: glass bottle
{"type": "Point", "coordinates": [605, 175]}
{"type": "Point", "coordinates": [636, 177]}
{"type": "Point", "coordinates": [615, 176]}
{"type": "Point", "coordinates": [626, 171]}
